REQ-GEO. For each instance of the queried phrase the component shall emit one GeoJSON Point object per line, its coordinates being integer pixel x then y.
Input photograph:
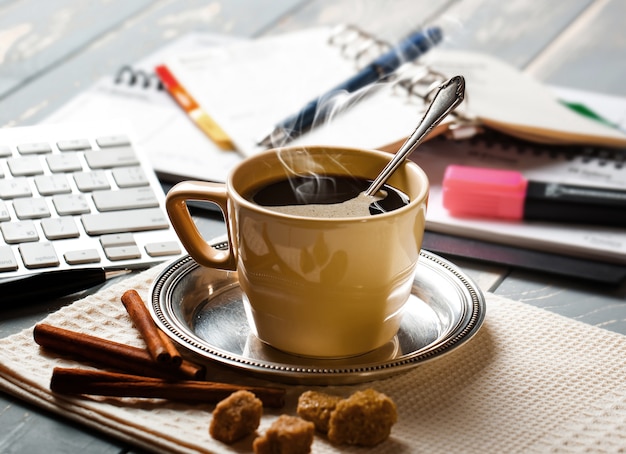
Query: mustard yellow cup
{"type": "Point", "coordinates": [317, 287]}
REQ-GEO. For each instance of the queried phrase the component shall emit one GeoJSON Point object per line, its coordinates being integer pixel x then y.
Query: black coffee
{"type": "Point", "coordinates": [324, 190]}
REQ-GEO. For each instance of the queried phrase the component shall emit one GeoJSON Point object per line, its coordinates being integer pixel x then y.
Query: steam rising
{"type": "Point", "coordinates": [314, 193]}
{"type": "Point", "coordinates": [308, 191]}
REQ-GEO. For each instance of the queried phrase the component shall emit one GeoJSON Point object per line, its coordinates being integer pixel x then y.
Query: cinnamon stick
{"type": "Point", "coordinates": [160, 346]}
{"type": "Point", "coordinates": [110, 354]}
{"type": "Point", "coordinates": [82, 381]}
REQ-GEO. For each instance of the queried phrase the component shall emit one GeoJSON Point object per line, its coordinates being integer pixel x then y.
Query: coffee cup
{"type": "Point", "coordinates": [326, 287]}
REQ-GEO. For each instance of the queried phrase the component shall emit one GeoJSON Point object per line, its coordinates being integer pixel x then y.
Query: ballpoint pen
{"type": "Point", "coordinates": [49, 285]}
{"type": "Point", "coordinates": [408, 49]}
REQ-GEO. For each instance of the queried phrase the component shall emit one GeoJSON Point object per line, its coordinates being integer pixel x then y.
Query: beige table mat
{"type": "Point", "coordinates": [529, 381]}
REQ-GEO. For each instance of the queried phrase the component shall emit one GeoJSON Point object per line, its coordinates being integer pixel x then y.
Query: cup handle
{"type": "Point", "coordinates": [186, 229]}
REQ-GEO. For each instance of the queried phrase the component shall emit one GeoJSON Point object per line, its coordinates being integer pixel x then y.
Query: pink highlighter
{"type": "Point", "coordinates": [506, 194]}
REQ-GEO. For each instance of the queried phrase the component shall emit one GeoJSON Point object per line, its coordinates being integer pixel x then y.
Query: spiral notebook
{"type": "Point", "coordinates": [248, 87]}
{"type": "Point", "coordinates": [175, 147]}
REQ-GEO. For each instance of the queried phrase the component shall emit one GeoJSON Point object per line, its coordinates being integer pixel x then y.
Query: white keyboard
{"type": "Point", "coordinates": [79, 196]}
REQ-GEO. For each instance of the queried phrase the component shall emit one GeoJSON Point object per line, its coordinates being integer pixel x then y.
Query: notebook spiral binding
{"type": "Point", "coordinates": [413, 79]}
{"type": "Point", "coordinates": [137, 77]}
{"type": "Point", "coordinates": [601, 157]}
{"type": "Point", "coordinates": [357, 45]}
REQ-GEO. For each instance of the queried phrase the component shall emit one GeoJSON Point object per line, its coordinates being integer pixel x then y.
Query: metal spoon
{"type": "Point", "coordinates": [448, 96]}
{"type": "Point", "coordinates": [446, 99]}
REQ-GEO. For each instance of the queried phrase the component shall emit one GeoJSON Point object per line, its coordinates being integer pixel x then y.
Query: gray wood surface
{"type": "Point", "coordinates": [50, 50]}
{"type": "Point", "coordinates": [77, 60]}
{"type": "Point", "coordinates": [590, 54]}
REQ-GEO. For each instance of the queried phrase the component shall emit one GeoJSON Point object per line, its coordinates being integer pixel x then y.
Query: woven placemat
{"type": "Point", "coordinates": [529, 381]}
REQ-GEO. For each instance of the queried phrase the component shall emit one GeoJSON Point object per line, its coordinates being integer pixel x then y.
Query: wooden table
{"type": "Point", "coordinates": [49, 51]}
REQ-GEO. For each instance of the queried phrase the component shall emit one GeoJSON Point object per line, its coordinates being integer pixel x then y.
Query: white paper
{"type": "Point", "coordinates": [176, 148]}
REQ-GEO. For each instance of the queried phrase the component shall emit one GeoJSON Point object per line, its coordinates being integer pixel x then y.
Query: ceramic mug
{"type": "Point", "coordinates": [317, 287]}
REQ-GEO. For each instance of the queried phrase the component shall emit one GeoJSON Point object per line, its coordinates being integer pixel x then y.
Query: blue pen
{"type": "Point", "coordinates": [409, 49]}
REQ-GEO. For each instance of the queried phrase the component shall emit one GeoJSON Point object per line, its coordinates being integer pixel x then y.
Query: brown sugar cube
{"type": "Point", "coordinates": [236, 417]}
{"type": "Point", "coordinates": [365, 418]}
{"type": "Point", "coordinates": [316, 407]}
{"type": "Point", "coordinates": [287, 435]}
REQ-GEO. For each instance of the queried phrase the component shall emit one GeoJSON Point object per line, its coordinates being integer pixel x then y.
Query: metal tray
{"type": "Point", "coordinates": [201, 309]}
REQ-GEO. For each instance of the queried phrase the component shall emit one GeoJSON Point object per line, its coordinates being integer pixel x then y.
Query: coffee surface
{"type": "Point", "coordinates": [327, 197]}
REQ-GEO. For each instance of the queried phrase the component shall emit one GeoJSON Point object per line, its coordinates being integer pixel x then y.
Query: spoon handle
{"type": "Point", "coordinates": [448, 97]}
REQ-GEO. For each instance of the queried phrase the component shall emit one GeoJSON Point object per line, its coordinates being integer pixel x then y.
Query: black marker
{"type": "Point", "coordinates": [506, 194]}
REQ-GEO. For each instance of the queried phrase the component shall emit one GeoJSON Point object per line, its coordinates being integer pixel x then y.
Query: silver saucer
{"type": "Point", "coordinates": [201, 309]}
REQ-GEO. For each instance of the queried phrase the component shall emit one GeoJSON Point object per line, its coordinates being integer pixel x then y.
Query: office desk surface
{"type": "Point", "coordinates": [49, 51]}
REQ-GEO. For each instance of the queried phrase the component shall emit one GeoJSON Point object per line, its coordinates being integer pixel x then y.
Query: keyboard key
{"type": "Point", "coordinates": [7, 259]}
{"type": "Point", "coordinates": [122, 253]}
{"type": "Point", "coordinates": [67, 204]}
{"type": "Point", "coordinates": [34, 148]}
{"type": "Point", "coordinates": [52, 184]}
{"type": "Point", "coordinates": [91, 181]}
{"type": "Point", "coordinates": [124, 199]}
{"type": "Point", "coordinates": [162, 249]}
{"type": "Point", "coordinates": [80, 257]}
{"type": "Point", "coordinates": [113, 157]}
{"type": "Point", "coordinates": [60, 228]}
{"type": "Point", "coordinates": [127, 221]}
{"type": "Point", "coordinates": [38, 255]}
{"type": "Point", "coordinates": [29, 165]}
{"type": "Point", "coordinates": [113, 141]}
{"type": "Point", "coordinates": [63, 163]}
{"type": "Point", "coordinates": [15, 187]}
{"type": "Point", "coordinates": [4, 212]}
{"type": "Point", "coordinates": [127, 177]}
{"type": "Point", "coordinates": [117, 239]}
{"type": "Point", "coordinates": [19, 232]}
{"type": "Point", "coordinates": [5, 151]}
{"type": "Point", "coordinates": [31, 208]}
{"type": "Point", "coordinates": [74, 145]}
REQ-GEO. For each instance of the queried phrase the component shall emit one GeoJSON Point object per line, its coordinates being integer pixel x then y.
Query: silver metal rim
{"type": "Point", "coordinates": [299, 370]}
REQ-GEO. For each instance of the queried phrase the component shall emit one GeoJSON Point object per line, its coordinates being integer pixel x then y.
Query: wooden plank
{"type": "Point", "coordinates": [25, 429]}
{"type": "Point", "coordinates": [590, 54]}
{"type": "Point", "coordinates": [596, 305]}
{"type": "Point", "coordinates": [513, 30]}
{"type": "Point", "coordinates": [36, 36]}
{"type": "Point", "coordinates": [129, 41]}
{"type": "Point", "coordinates": [388, 20]}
